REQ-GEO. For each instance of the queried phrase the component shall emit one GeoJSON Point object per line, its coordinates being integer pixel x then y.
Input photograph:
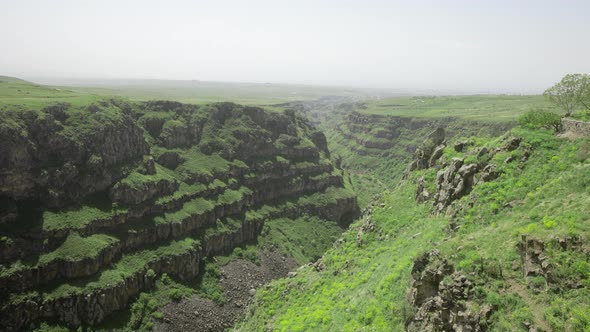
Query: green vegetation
{"type": "Point", "coordinates": [74, 248]}
{"type": "Point", "coordinates": [77, 217]}
{"type": "Point", "coordinates": [484, 108]}
{"type": "Point", "coordinates": [126, 267]}
{"type": "Point", "coordinates": [359, 287]}
{"type": "Point", "coordinates": [137, 180]}
{"type": "Point", "coordinates": [207, 92]}
{"type": "Point", "coordinates": [16, 92]}
{"type": "Point", "coordinates": [294, 239]}
{"type": "Point", "coordinates": [199, 164]}
{"type": "Point", "coordinates": [363, 286]}
{"type": "Point", "coordinates": [571, 93]}
{"type": "Point", "coordinates": [220, 154]}
{"type": "Point", "coordinates": [540, 119]}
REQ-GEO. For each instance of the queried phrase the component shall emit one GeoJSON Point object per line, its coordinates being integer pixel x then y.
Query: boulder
{"type": "Point", "coordinates": [429, 152]}
{"type": "Point", "coordinates": [512, 144]}
{"type": "Point", "coordinates": [453, 183]}
{"type": "Point", "coordinates": [437, 137]}
{"type": "Point", "coordinates": [422, 195]}
{"type": "Point", "coordinates": [489, 173]}
{"type": "Point", "coordinates": [436, 154]}
{"type": "Point", "coordinates": [442, 305]}
{"type": "Point", "coordinates": [482, 152]}
{"type": "Point", "coordinates": [460, 146]}
{"type": "Point", "coordinates": [149, 166]}
{"type": "Point", "coordinates": [170, 159]}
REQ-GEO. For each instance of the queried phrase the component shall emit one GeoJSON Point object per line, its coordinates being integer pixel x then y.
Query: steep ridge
{"type": "Point", "coordinates": [102, 199]}
{"type": "Point", "coordinates": [488, 234]}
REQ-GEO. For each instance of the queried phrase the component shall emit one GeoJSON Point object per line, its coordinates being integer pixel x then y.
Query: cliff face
{"type": "Point", "coordinates": [102, 199]}
{"type": "Point", "coordinates": [46, 156]}
{"type": "Point", "coordinates": [376, 149]}
{"type": "Point", "coordinates": [379, 132]}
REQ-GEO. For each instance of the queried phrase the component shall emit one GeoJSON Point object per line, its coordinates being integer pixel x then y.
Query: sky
{"type": "Point", "coordinates": [516, 46]}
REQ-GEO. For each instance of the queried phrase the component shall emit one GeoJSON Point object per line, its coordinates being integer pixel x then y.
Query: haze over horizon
{"type": "Point", "coordinates": [487, 47]}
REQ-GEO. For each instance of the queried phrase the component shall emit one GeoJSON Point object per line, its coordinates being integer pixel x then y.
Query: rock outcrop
{"type": "Point", "coordinates": [422, 195]}
{"type": "Point", "coordinates": [128, 194]}
{"type": "Point", "coordinates": [441, 297]}
{"type": "Point", "coordinates": [453, 183]}
{"type": "Point", "coordinates": [430, 151]}
{"type": "Point", "coordinates": [575, 128]}
{"type": "Point", "coordinates": [536, 262]}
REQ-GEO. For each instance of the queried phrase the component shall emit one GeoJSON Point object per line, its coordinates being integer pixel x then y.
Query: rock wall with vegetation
{"type": "Point", "coordinates": [100, 200]}
{"type": "Point", "coordinates": [376, 149]}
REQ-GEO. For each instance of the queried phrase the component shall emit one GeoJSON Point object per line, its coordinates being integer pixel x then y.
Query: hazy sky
{"type": "Point", "coordinates": [487, 46]}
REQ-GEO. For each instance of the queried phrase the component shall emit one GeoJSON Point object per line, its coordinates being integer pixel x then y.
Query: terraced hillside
{"type": "Point", "coordinates": [100, 199]}
{"type": "Point", "coordinates": [376, 149]}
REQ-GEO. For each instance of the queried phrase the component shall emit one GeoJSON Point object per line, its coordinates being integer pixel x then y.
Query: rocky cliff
{"type": "Point", "coordinates": [101, 199]}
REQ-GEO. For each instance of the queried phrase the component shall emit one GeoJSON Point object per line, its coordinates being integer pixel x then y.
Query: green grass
{"type": "Point", "coordinates": [137, 180]}
{"type": "Point", "coordinates": [20, 93]}
{"type": "Point", "coordinates": [126, 267]}
{"type": "Point", "coordinates": [189, 209]}
{"type": "Point", "coordinates": [364, 288]}
{"type": "Point", "coordinates": [196, 92]}
{"type": "Point", "coordinates": [14, 91]}
{"type": "Point", "coordinates": [74, 248]}
{"type": "Point", "coordinates": [199, 206]}
{"type": "Point", "coordinates": [79, 217]}
{"type": "Point", "coordinates": [324, 198]}
{"type": "Point", "coordinates": [485, 108]}
{"type": "Point", "coordinates": [293, 238]}
{"type": "Point", "coordinates": [357, 283]}
{"type": "Point", "coordinates": [198, 164]}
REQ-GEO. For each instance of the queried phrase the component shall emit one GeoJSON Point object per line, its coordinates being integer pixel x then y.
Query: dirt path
{"type": "Point", "coordinates": [537, 309]}
{"type": "Point", "coordinates": [238, 279]}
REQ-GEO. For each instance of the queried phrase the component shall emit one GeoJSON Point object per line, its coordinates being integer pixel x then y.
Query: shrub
{"type": "Point", "coordinates": [537, 119]}
{"type": "Point", "coordinates": [175, 294]}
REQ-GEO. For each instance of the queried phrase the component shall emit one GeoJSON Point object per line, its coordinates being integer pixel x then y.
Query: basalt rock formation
{"type": "Point", "coordinates": [98, 201]}
{"type": "Point", "coordinates": [537, 262]}
{"type": "Point", "coordinates": [442, 298]}
{"type": "Point", "coordinates": [456, 178]}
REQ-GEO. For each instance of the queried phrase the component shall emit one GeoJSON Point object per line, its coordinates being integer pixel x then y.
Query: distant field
{"type": "Point", "coordinates": [18, 92]}
{"type": "Point", "coordinates": [196, 92]}
{"type": "Point", "coordinates": [14, 91]}
{"type": "Point", "coordinates": [497, 108]}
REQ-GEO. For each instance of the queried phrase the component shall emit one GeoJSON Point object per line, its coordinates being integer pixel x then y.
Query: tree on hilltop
{"type": "Point", "coordinates": [572, 91]}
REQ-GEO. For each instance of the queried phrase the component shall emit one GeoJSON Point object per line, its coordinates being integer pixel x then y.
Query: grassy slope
{"type": "Point", "coordinates": [35, 96]}
{"type": "Point", "coordinates": [364, 289]}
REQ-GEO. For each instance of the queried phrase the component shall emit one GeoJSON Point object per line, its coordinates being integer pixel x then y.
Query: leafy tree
{"type": "Point", "coordinates": [537, 119]}
{"type": "Point", "coordinates": [572, 91]}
